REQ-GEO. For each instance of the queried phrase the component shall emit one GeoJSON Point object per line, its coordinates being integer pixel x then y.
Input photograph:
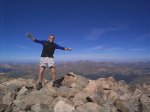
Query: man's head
{"type": "Point", "coordinates": [51, 38]}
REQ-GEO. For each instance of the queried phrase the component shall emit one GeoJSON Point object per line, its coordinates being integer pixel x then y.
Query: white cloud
{"type": "Point", "coordinates": [104, 48]}
{"type": "Point", "coordinates": [137, 49]}
{"type": "Point", "coordinates": [114, 49]}
{"type": "Point", "coordinates": [95, 48]}
{"type": "Point", "coordinates": [97, 33]}
{"type": "Point", "coordinates": [94, 34]}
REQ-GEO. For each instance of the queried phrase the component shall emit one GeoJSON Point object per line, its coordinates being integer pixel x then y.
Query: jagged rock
{"type": "Point", "coordinates": [112, 97]}
{"type": "Point", "coordinates": [23, 111]}
{"type": "Point", "coordinates": [146, 87]}
{"type": "Point", "coordinates": [68, 80]}
{"type": "Point", "coordinates": [145, 100]}
{"type": "Point", "coordinates": [136, 105]}
{"type": "Point", "coordinates": [111, 79]}
{"type": "Point", "coordinates": [31, 98]}
{"type": "Point", "coordinates": [23, 90]}
{"type": "Point", "coordinates": [75, 81]}
{"type": "Point", "coordinates": [62, 106]}
{"type": "Point", "coordinates": [126, 106]}
{"type": "Point", "coordinates": [77, 94]}
{"type": "Point", "coordinates": [126, 96]}
{"type": "Point", "coordinates": [16, 84]}
{"type": "Point", "coordinates": [90, 107]}
{"type": "Point", "coordinates": [137, 93]}
{"type": "Point", "coordinates": [1, 97]}
{"type": "Point", "coordinates": [3, 107]}
{"type": "Point", "coordinates": [104, 83]}
{"type": "Point", "coordinates": [22, 93]}
{"type": "Point", "coordinates": [122, 106]}
{"type": "Point", "coordinates": [107, 83]}
{"type": "Point", "coordinates": [57, 99]}
{"type": "Point", "coordinates": [8, 109]}
{"type": "Point", "coordinates": [122, 83]}
{"type": "Point", "coordinates": [8, 99]}
{"type": "Point", "coordinates": [100, 100]}
{"type": "Point", "coordinates": [16, 109]}
{"type": "Point", "coordinates": [12, 88]}
{"type": "Point", "coordinates": [91, 87]}
{"type": "Point", "coordinates": [49, 90]}
{"type": "Point", "coordinates": [66, 92]}
{"type": "Point", "coordinates": [40, 108]}
{"type": "Point", "coordinates": [80, 98]}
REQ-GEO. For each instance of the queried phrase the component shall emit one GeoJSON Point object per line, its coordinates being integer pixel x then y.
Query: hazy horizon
{"type": "Point", "coordinates": [73, 61]}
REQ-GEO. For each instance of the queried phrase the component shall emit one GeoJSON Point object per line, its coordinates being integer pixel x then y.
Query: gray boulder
{"type": "Point", "coordinates": [62, 106]}
{"type": "Point", "coordinates": [39, 107]}
{"type": "Point", "coordinates": [90, 107]}
{"type": "Point", "coordinates": [75, 81]}
{"type": "Point", "coordinates": [8, 99]}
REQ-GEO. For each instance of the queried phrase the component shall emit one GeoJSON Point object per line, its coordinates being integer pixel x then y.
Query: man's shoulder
{"type": "Point", "coordinates": [40, 40]}
{"type": "Point", "coordinates": [55, 43]}
{"type": "Point", "coordinates": [44, 40]}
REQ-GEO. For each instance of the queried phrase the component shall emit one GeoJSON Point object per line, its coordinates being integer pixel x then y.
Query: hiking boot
{"type": "Point", "coordinates": [56, 84]}
{"type": "Point", "coordinates": [39, 86]}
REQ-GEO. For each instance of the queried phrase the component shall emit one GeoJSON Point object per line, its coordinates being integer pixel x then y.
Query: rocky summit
{"type": "Point", "coordinates": [76, 94]}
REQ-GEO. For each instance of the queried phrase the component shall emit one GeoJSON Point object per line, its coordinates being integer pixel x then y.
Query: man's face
{"type": "Point", "coordinates": [51, 38]}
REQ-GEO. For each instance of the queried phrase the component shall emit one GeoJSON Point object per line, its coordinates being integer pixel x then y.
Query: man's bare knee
{"type": "Point", "coordinates": [42, 69]}
{"type": "Point", "coordinates": [53, 72]}
{"type": "Point", "coordinates": [41, 73]}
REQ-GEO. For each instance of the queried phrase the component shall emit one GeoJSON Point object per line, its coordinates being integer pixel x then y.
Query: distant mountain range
{"type": "Point", "coordinates": [130, 72]}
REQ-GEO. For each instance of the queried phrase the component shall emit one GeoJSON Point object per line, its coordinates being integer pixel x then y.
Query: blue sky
{"type": "Point", "coordinates": [97, 30]}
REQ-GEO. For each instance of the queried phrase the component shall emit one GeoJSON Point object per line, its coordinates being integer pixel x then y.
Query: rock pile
{"type": "Point", "coordinates": [77, 94]}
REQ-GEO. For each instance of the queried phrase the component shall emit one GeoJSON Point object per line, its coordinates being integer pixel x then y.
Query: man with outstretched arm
{"type": "Point", "coordinates": [47, 58]}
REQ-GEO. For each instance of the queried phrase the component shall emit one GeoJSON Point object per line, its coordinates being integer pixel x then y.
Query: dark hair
{"type": "Point", "coordinates": [51, 35]}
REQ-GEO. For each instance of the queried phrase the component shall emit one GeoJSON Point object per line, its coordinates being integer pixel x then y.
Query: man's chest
{"type": "Point", "coordinates": [49, 46]}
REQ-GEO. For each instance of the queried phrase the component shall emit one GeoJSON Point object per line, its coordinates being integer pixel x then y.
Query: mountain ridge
{"type": "Point", "coordinates": [93, 70]}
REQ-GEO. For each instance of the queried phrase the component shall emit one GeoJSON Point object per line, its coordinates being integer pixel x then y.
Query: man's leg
{"type": "Point", "coordinates": [55, 82]}
{"type": "Point", "coordinates": [53, 73]}
{"type": "Point", "coordinates": [41, 74]}
{"type": "Point", "coordinates": [40, 78]}
{"type": "Point", "coordinates": [52, 67]}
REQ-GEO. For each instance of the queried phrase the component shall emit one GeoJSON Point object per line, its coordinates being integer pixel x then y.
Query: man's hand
{"type": "Point", "coordinates": [29, 34]}
{"type": "Point", "coordinates": [69, 49]}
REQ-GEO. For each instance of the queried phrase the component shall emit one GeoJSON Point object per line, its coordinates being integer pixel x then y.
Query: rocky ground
{"type": "Point", "coordinates": [77, 94]}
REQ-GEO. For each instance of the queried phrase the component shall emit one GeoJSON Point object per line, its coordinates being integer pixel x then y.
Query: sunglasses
{"type": "Point", "coordinates": [51, 37]}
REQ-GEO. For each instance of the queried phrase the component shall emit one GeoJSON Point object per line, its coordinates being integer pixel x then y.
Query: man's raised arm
{"type": "Point", "coordinates": [29, 34]}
